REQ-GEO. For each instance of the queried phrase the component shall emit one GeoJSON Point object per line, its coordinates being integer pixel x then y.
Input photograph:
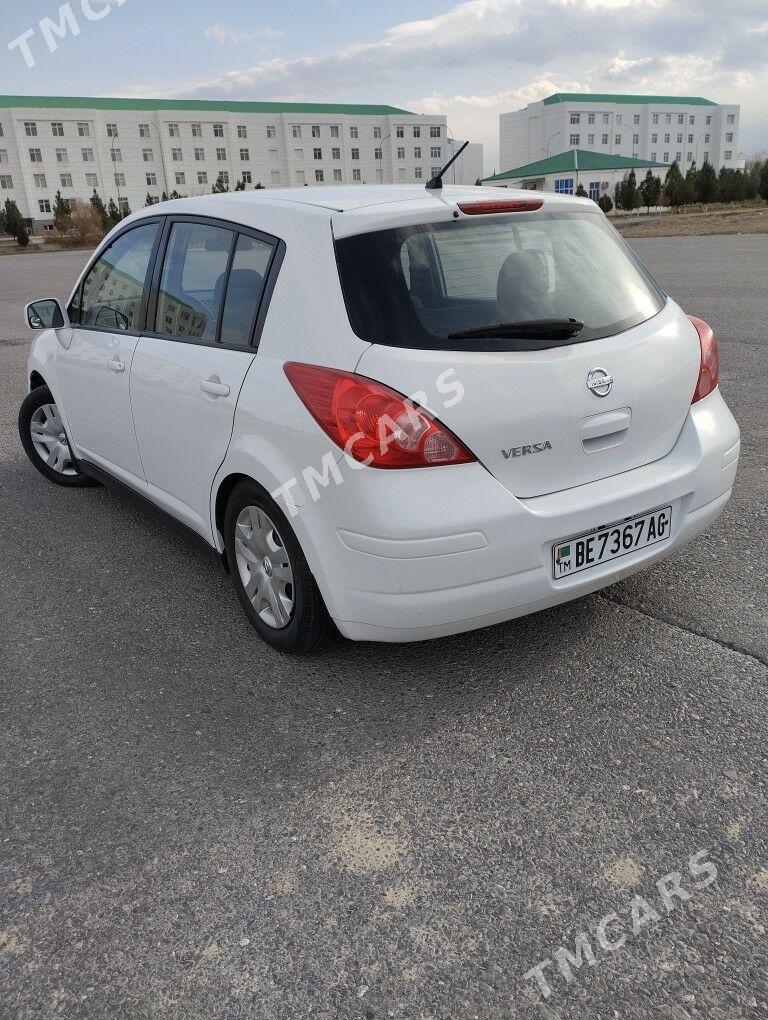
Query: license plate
{"type": "Point", "coordinates": [610, 543]}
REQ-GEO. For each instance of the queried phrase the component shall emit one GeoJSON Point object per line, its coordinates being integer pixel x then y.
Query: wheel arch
{"type": "Point", "coordinates": [36, 380]}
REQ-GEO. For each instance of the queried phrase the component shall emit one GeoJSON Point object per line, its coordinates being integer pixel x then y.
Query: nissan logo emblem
{"type": "Point", "coordinates": [599, 382]}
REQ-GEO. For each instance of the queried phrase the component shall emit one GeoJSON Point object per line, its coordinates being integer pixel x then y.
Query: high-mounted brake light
{"type": "Point", "coordinates": [501, 205]}
{"type": "Point", "coordinates": [709, 370]}
{"type": "Point", "coordinates": [371, 422]}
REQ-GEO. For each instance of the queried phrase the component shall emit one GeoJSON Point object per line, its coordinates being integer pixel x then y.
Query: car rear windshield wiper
{"type": "Point", "coordinates": [543, 329]}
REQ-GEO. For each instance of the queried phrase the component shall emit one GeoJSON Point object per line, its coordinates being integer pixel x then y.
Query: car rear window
{"type": "Point", "coordinates": [412, 286]}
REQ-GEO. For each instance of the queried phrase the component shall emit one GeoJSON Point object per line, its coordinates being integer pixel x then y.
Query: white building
{"type": "Point", "coordinates": [128, 149]}
{"type": "Point", "coordinates": [663, 129]}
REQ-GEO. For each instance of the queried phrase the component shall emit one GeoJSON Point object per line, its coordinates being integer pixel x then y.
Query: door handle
{"type": "Point", "coordinates": [116, 365]}
{"type": "Point", "coordinates": [215, 387]}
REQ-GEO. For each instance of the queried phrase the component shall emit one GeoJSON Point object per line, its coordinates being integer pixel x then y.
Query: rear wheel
{"type": "Point", "coordinates": [45, 440]}
{"type": "Point", "coordinates": [271, 576]}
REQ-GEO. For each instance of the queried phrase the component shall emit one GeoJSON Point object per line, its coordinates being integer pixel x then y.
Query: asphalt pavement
{"type": "Point", "coordinates": [195, 826]}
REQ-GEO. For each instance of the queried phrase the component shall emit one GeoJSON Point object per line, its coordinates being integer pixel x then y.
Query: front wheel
{"type": "Point", "coordinates": [271, 576]}
{"type": "Point", "coordinates": [45, 440]}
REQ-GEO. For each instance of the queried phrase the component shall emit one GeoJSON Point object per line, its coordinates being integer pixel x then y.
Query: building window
{"type": "Point", "coordinates": [84, 129]}
{"type": "Point", "coordinates": [564, 186]}
{"type": "Point", "coordinates": [296, 130]}
{"type": "Point", "coordinates": [618, 139]}
{"type": "Point", "coordinates": [199, 155]}
{"type": "Point", "coordinates": [319, 176]}
{"type": "Point", "coordinates": [334, 130]}
{"type": "Point", "coordinates": [173, 130]}
{"type": "Point", "coordinates": [706, 157]}
{"type": "Point", "coordinates": [417, 131]}
{"type": "Point", "coordinates": [681, 118]}
{"type": "Point", "coordinates": [224, 177]}
{"type": "Point", "coordinates": [355, 153]}
{"type": "Point", "coordinates": [119, 180]}
{"type": "Point", "coordinates": [667, 137]}
{"type": "Point", "coordinates": [245, 155]}
{"type": "Point", "coordinates": [143, 130]}
{"type": "Point", "coordinates": [417, 173]}
{"type": "Point", "coordinates": [271, 131]}
{"type": "Point", "coordinates": [706, 139]}
{"type": "Point", "coordinates": [591, 118]}
{"type": "Point", "coordinates": [377, 132]}
{"type": "Point", "coordinates": [655, 118]}
{"type": "Point", "coordinates": [354, 133]}
{"type": "Point", "coordinates": [57, 129]}
{"type": "Point", "coordinates": [401, 152]}
{"type": "Point", "coordinates": [35, 156]}
{"type": "Point", "coordinates": [435, 131]}
{"type": "Point", "coordinates": [678, 156]}
{"type": "Point", "coordinates": [357, 175]}
{"type": "Point", "coordinates": [315, 130]}
{"type": "Point", "coordinates": [317, 153]}
{"type": "Point", "coordinates": [436, 152]}
{"type": "Point", "coordinates": [197, 130]}
{"type": "Point", "coordinates": [679, 137]}
{"type": "Point", "coordinates": [300, 177]}
{"type": "Point", "coordinates": [3, 155]}
{"type": "Point", "coordinates": [400, 131]}
{"type": "Point", "coordinates": [117, 155]}
{"type": "Point", "coordinates": [336, 153]}
{"type": "Point", "coordinates": [708, 120]}
{"type": "Point", "coordinates": [635, 139]}
{"type": "Point", "coordinates": [730, 119]}
{"type": "Point", "coordinates": [668, 118]}
{"type": "Point", "coordinates": [573, 139]}
{"type": "Point", "coordinates": [202, 176]}
{"type": "Point", "coordinates": [435, 171]}
{"type": "Point", "coordinates": [691, 119]}
{"type": "Point", "coordinates": [221, 155]}
{"type": "Point", "coordinates": [653, 157]}
{"type": "Point", "coordinates": [181, 177]}
{"type": "Point", "coordinates": [636, 119]}
{"type": "Point", "coordinates": [151, 179]}
{"type": "Point", "coordinates": [40, 181]}
{"type": "Point", "coordinates": [111, 130]}
{"type": "Point", "coordinates": [298, 154]}
{"type": "Point", "coordinates": [44, 205]}
{"type": "Point", "coordinates": [66, 180]}
{"type": "Point", "coordinates": [62, 156]}
{"type": "Point", "coordinates": [176, 155]}
{"type": "Point", "coordinates": [605, 140]}
{"type": "Point", "coordinates": [666, 158]}
{"type": "Point", "coordinates": [91, 180]}
{"type": "Point", "coordinates": [148, 155]}
{"type": "Point", "coordinates": [618, 118]}
{"type": "Point", "coordinates": [30, 128]}
{"type": "Point", "coordinates": [378, 154]}
{"type": "Point", "coordinates": [242, 131]}
{"type": "Point", "coordinates": [594, 190]}
{"type": "Point", "coordinates": [728, 153]}
{"type": "Point", "coordinates": [729, 136]}
{"type": "Point", "coordinates": [590, 139]}
{"type": "Point", "coordinates": [575, 118]}
{"type": "Point", "coordinates": [417, 152]}
{"type": "Point", "coordinates": [689, 157]}
{"type": "Point", "coordinates": [246, 177]}
{"type": "Point", "coordinates": [6, 182]}
{"type": "Point", "coordinates": [337, 175]}
{"type": "Point", "coordinates": [606, 118]}
{"type": "Point", "coordinates": [690, 139]}
{"type": "Point", "coordinates": [654, 138]}
{"type": "Point", "coordinates": [218, 130]}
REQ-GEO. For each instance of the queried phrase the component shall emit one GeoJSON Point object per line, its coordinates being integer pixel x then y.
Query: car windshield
{"type": "Point", "coordinates": [413, 286]}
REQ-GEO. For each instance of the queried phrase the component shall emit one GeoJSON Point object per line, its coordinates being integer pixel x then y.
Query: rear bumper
{"type": "Point", "coordinates": [412, 555]}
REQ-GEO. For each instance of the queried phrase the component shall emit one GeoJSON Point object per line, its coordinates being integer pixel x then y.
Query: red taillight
{"type": "Point", "coordinates": [709, 371]}
{"type": "Point", "coordinates": [503, 205]}
{"type": "Point", "coordinates": [371, 422]}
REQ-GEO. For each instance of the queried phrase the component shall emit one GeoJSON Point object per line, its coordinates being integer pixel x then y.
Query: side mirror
{"type": "Point", "coordinates": [45, 314]}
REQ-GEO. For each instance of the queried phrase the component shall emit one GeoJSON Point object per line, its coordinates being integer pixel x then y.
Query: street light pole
{"type": "Point", "coordinates": [550, 139]}
{"type": "Point", "coordinates": [381, 168]}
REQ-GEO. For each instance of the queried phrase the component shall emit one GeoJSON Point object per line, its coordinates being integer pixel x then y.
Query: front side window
{"type": "Point", "coordinates": [415, 286]}
{"type": "Point", "coordinates": [114, 287]}
{"type": "Point", "coordinates": [192, 282]}
{"type": "Point", "coordinates": [244, 289]}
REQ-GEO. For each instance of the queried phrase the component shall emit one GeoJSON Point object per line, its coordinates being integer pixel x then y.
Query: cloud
{"type": "Point", "coordinates": [224, 34]}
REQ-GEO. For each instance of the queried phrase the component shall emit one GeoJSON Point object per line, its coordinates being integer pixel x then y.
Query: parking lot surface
{"type": "Point", "coordinates": [196, 826]}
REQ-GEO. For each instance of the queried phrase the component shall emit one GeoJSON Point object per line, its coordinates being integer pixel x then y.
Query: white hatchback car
{"type": "Point", "coordinates": [403, 412]}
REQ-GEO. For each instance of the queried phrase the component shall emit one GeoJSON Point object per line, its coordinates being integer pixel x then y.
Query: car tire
{"type": "Point", "coordinates": [271, 576]}
{"type": "Point", "coordinates": [45, 440]}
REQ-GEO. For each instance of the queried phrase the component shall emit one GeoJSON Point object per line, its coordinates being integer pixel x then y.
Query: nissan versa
{"type": "Point", "coordinates": [396, 411]}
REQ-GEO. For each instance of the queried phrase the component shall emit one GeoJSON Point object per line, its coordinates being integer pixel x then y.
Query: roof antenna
{"type": "Point", "coordinates": [436, 183]}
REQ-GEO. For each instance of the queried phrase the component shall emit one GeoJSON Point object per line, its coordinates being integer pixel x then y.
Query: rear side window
{"type": "Point", "coordinates": [244, 289]}
{"type": "Point", "coordinates": [413, 286]}
{"type": "Point", "coordinates": [193, 280]}
{"type": "Point", "coordinates": [114, 287]}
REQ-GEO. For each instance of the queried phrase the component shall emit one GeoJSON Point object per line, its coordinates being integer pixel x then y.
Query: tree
{"type": "Point", "coordinates": [605, 203]}
{"type": "Point", "coordinates": [100, 210]}
{"type": "Point", "coordinates": [691, 184]}
{"type": "Point", "coordinates": [175, 194]}
{"type": "Point", "coordinates": [164, 197]}
{"type": "Point", "coordinates": [113, 214]}
{"type": "Point", "coordinates": [674, 186]}
{"type": "Point", "coordinates": [85, 223]}
{"type": "Point", "coordinates": [220, 188]}
{"type": "Point", "coordinates": [629, 194]}
{"type": "Point", "coordinates": [581, 191]}
{"type": "Point", "coordinates": [706, 183]}
{"type": "Point", "coordinates": [150, 201]}
{"type": "Point", "coordinates": [762, 186]}
{"type": "Point", "coordinates": [240, 186]}
{"type": "Point", "coordinates": [125, 209]}
{"type": "Point", "coordinates": [14, 223]}
{"type": "Point", "coordinates": [61, 218]}
{"type": "Point", "coordinates": [650, 190]}
{"type": "Point", "coordinates": [259, 186]}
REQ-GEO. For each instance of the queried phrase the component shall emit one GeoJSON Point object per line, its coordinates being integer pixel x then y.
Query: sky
{"type": "Point", "coordinates": [470, 60]}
